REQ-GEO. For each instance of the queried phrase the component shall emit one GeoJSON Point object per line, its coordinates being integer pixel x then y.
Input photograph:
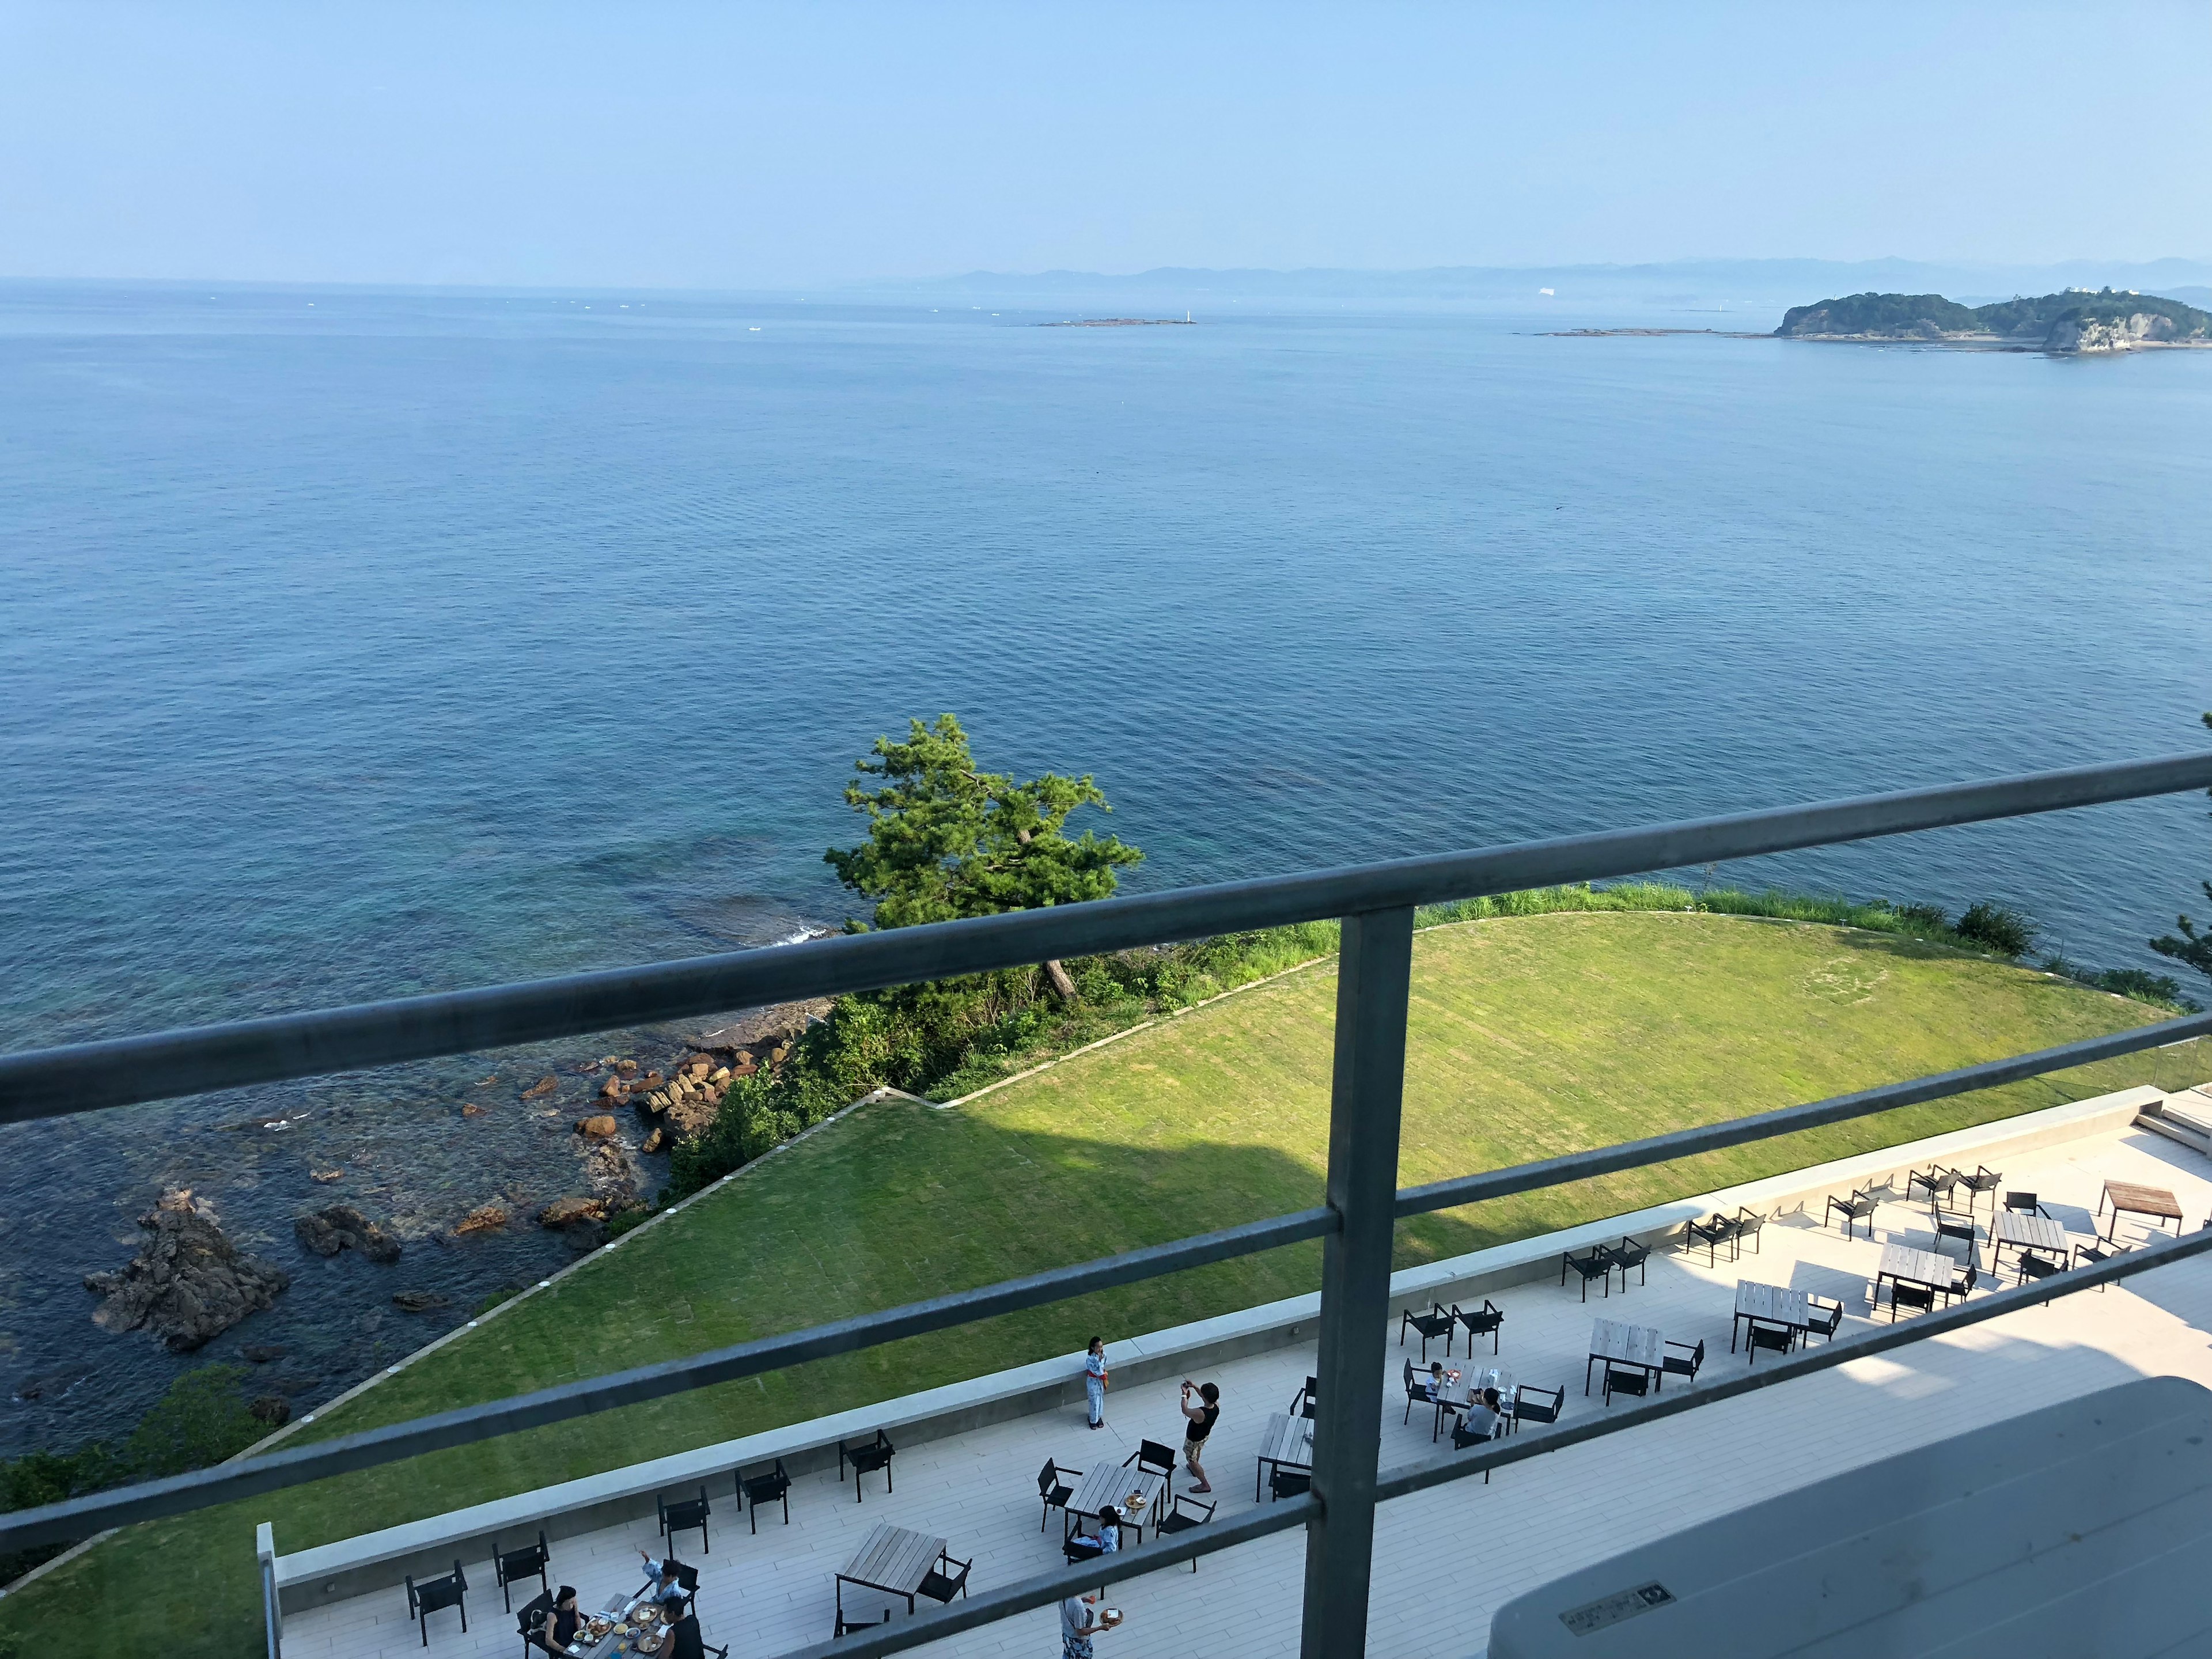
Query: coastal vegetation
{"type": "Point", "coordinates": [1538, 1023]}
{"type": "Point", "coordinates": [2188, 944]}
{"type": "Point", "coordinates": [2074, 321]}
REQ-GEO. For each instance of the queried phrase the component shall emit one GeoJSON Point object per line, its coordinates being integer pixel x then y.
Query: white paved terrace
{"type": "Point", "coordinates": [1447, 1558]}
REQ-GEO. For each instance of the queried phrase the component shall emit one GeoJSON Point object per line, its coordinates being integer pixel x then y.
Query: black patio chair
{"type": "Point", "coordinates": [771, 1486]}
{"type": "Point", "coordinates": [1597, 1265]}
{"type": "Point", "coordinates": [433, 1594]}
{"type": "Point", "coordinates": [855, 1626]}
{"type": "Point", "coordinates": [2033, 1264]}
{"type": "Point", "coordinates": [520, 1564]}
{"type": "Point", "coordinates": [1859, 1206]}
{"type": "Point", "coordinates": [1287, 1483]}
{"type": "Point", "coordinates": [1775, 1338]}
{"type": "Point", "coordinates": [1949, 1224]}
{"type": "Point", "coordinates": [1481, 1321]}
{"type": "Point", "coordinates": [1183, 1513]}
{"type": "Point", "coordinates": [1984, 1179]}
{"type": "Point", "coordinates": [1054, 1490]}
{"type": "Point", "coordinates": [1686, 1363]}
{"type": "Point", "coordinates": [1635, 1380]}
{"type": "Point", "coordinates": [1919, 1297]}
{"type": "Point", "coordinates": [1711, 1234]}
{"type": "Point", "coordinates": [947, 1579]}
{"type": "Point", "coordinates": [683, 1514]}
{"type": "Point", "coordinates": [1431, 1325]}
{"type": "Point", "coordinates": [1748, 1225]}
{"type": "Point", "coordinates": [1935, 1181]}
{"type": "Point", "coordinates": [1822, 1319]}
{"type": "Point", "coordinates": [530, 1621]}
{"type": "Point", "coordinates": [1417, 1394]}
{"type": "Point", "coordinates": [1962, 1284]}
{"type": "Point", "coordinates": [1306, 1399]}
{"type": "Point", "coordinates": [1629, 1254]}
{"type": "Point", "coordinates": [1534, 1405]}
{"type": "Point", "coordinates": [2024, 1201]}
{"type": "Point", "coordinates": [866, 1458]}
{"type": "Point", "coordinates": [2100, 1251]}
{"type": "Point", "coordinates": [1156, 1459]}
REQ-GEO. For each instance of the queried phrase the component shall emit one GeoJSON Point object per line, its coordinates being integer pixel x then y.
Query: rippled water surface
{"type": "Point", "coordinates": [360, 644]}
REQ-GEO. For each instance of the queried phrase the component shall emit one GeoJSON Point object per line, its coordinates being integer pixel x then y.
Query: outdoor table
{"type": "Point", "coordinates": [1288, 1444]}
{"type": "Point", "coordinates": [2153, 1201]}
{"type": "Point", "coordinates": [1915, 1267]}
{"type": "Point", "coordinates": [893, 1559]}
{"type": "Point", "coordinates": [617, 1609]}
{"type": "Point", "coordinates": [2024, 1230]}
{"type": "Point", "coordinates": [1776, 1304]}
{"type": "Point", "coordinates": [1112, 1483]}
{"type": "Point", "coordinates": [1627, 1345]}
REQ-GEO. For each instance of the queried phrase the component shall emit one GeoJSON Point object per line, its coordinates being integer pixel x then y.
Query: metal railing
{"type": "Point", "coordinates": [1375, 904]}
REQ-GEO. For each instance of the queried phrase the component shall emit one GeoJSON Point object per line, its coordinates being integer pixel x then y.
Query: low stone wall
{"type": "Point", "coordinates": [377, 1560]}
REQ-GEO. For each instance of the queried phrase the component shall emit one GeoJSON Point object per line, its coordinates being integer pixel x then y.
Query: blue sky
{"type": "Point", "coordinates": [730, 146]}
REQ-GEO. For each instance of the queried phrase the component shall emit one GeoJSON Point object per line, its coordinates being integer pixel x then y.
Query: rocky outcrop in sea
{"type": "Point", "coordinates": [188, 1284]}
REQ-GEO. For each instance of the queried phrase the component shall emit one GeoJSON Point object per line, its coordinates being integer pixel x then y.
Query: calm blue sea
{"type": "Point", "coordinates": [364, 643]}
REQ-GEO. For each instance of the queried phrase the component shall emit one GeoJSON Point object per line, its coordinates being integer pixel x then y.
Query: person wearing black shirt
{"type": "Point", "coordinates": [560, 1629]}
{"type": "Point", "coordinates": [1202, 1418]}
{"type": "Point", "coordinates": [684, 1628]}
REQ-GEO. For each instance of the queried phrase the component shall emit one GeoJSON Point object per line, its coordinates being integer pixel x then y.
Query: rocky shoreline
{"type": "Point", "coordinates": [188, 1282]}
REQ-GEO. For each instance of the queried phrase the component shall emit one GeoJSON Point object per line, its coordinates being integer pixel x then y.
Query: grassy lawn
{"type": "Point", "coordinates": [1530, 1036]}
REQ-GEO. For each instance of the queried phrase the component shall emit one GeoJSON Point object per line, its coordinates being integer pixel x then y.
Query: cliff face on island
{"type": "Point", "coordinates": [2076, 320]}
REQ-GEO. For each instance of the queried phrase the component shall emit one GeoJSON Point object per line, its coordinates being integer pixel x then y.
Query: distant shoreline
{"type": "Point", "coordinates": [1122, 322]}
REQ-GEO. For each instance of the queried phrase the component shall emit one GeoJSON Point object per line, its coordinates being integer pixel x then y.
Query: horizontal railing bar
{"type": "Point", "coordinates": [53, 1082]}
{"type": "Point", "coordinates": [1838, 1109]}
{"type": "Point", "coordinates": [1436, 1472]}
{"type": "Point", "coordinates": [199, 1489]}
{"type": "Point", "coordinates": [988, 1606]}
{"type": "Point", "coordinates": [227, 1482]}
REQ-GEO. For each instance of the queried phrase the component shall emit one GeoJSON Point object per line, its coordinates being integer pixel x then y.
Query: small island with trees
{"type": "Point", "coordinates": [2072, 322]}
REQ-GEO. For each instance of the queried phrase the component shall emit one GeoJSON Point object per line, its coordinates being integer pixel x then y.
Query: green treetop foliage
{"type": "Point", "coordinates": [2188, 944]}
{"type": "Point", "coordinates": [946, 840]}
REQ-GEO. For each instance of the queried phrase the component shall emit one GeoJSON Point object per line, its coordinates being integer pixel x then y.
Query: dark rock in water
{"type": "Point", "coordinates": [572, 1211]}
{"type": "Point", "coordinates": [260, 1353]}
{"type": "Point", "coordinates": [186, 1285]}
{"type": "Point", "coordinates": [419, 1301]}
{"type": "Point", "coordinates": [54, 1385]}
{"type": "Point", "coordinates": [542, 1087]}
{"type": "Point", "coordinates": [342, 1227]}
{"type": "Point", "coordinates": [273, 1409]}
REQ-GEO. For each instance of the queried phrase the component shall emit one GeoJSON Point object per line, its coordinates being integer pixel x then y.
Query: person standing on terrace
{"type": "Point", "coordinates": [1077, 1625]}
{"type": "Point", "coordinates": [1202, 1418]}
{"type": "Point", "coordinates": [1095, 1379]}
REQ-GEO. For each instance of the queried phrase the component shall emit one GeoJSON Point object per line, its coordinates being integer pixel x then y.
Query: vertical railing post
{"type": "Point", "coordinates": [1374, 976]}
{"type": "Point", "coordinates": [272, 1606]}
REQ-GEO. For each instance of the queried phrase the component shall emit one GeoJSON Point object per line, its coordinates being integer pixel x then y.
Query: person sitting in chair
{"type": "Point", "coordinates": [556, 1632]}
{"type": "Point", "coordinates": [1085, 1547]}
{"type": "Point", "coordinates": [664, 1575]}
{"type": "Point", "coordinates": [685, 1641]}
{"type": "Point", "coordinates": [1482, 1420]}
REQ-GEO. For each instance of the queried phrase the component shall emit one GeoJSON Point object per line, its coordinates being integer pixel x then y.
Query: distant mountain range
{"type": "Point", "coordinates": [2075, 319]}
{"type": "Point", "coordinates": [1730, 286]}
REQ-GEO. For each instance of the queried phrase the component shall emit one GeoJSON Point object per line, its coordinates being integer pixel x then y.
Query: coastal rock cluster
{"type": "Point", "coordinates": [188, 1284]}
{"type": "Point", "coordinates": [341, 1227]}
